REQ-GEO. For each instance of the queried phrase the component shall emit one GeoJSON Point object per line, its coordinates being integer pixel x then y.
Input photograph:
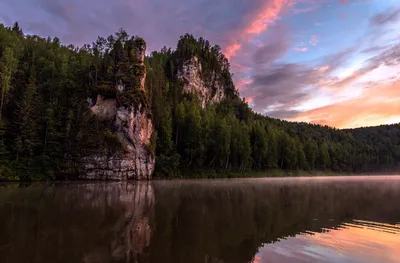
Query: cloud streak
{"type": "Point", "coordinates": [386, 17]}
{"type": "Point", "coordinates": [259, 22]}
{"type": "Point", "coordinates": [300, 49]}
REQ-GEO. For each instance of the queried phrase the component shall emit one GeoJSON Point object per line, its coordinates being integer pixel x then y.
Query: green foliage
{"type": "Point", "coordinates": [45, 125]}
{"type": "Point", "coordinates": [134, 97]}
{"type": "Point", "coordinates": [46, 128]}
{"type": "Point", "coordinates": [311, 151]}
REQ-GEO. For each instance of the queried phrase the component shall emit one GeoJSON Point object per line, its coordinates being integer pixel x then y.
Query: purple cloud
{"type": "Point", "coordinates": [386, 17]}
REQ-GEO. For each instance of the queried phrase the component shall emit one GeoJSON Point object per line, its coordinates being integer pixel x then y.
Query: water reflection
{"type": "Point", "coordinates": [75, 222]}
{"type": "Point", "coordinates": [355, 242]}
{"type": "Point", "coordinates": [274, 220]}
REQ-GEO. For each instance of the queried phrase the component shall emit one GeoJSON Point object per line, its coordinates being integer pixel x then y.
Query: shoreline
{"type": "Point", "coordinates": [192, 175]}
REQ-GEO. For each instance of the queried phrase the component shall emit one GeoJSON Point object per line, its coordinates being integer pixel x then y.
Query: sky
{"type": "Point", "coordinates": [330, 62]}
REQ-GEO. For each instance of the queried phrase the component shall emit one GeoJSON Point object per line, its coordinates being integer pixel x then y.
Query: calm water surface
{"type": "Point", "coordinates": [328, 220]}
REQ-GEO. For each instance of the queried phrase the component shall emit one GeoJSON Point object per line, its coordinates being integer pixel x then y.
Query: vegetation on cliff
{"type": "Point", "coordinates": [46, 127]}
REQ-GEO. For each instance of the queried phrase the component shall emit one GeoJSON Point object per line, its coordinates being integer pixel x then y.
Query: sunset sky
{"type": "Point", "coordinates": [333, 62]}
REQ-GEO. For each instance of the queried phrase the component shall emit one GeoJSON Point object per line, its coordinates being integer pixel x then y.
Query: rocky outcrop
{"type": "Point", "coordinates": [133, 126]}
{"type": "Point", "coordinates": [105, 108]}
{"type": "Point", "coordinates": [209, 91]}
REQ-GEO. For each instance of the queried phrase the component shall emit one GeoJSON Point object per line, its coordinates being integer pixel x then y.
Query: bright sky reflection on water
{"type": "Point", "coordinates": [355, 242]}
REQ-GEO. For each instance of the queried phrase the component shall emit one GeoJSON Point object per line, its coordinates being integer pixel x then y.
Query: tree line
{"type": "Point", "coordinates": [46, 127]}
{"type": "Point", "coordinates": [230, 137]}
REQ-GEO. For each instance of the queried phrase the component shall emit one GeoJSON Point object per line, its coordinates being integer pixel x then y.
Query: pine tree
{"type": "Point", "coordinates": [8, 64]}
{"type": "Point", "coordinates": [25, 122]}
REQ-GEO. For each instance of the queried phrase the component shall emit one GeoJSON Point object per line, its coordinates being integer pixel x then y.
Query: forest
{"type": "Point", "coordinates": [46, 127]}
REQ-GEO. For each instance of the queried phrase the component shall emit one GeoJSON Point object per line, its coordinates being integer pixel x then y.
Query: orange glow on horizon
{"type": "Point", "coordinates": [376, 106]}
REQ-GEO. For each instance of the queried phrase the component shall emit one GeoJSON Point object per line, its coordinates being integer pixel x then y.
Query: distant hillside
{"type": "Point", "coordinates": [103, 112]}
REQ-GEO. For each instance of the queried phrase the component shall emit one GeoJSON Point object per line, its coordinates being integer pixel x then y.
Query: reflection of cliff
{"type": "Point", "coordinates": [133, 234]}
{"type": "Point", "coordinates": [97, 222]}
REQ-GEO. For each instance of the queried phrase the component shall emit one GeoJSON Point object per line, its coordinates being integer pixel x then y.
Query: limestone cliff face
{"type": "Point", "coordinates": [209, 91]}
{"type": "Point", "coordinates": [134, 129]}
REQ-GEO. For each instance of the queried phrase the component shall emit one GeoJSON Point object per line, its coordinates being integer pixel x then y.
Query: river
{"type": "Point", "coordinates": [324, 219]}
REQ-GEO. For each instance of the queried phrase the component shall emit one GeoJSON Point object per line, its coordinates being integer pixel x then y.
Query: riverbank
{"type": "Point", "coordinates": [189, 174]}
{"type": "Point", "coordinates": [253, 174]}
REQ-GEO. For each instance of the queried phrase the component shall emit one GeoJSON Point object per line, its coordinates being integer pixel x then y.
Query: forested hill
{"type": "Point", "coordinates": [200, 123]}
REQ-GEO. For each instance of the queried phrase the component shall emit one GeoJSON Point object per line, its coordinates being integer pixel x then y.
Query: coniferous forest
{"type": "Point", "coordinates": [46, 127]}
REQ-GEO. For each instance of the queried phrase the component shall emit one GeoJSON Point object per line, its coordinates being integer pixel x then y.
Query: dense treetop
{"type": "Point", "coordinates": [46, 127]}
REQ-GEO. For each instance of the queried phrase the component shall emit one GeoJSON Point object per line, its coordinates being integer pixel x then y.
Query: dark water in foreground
{"type": "Point", "coordinates": [254, 220]}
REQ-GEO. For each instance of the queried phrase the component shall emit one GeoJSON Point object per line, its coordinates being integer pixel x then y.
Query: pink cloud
{"type": "Point", "coordinates": [239, 67]}
{"type": "Point", "coordinates": [323, 69]}
{"type": "Point", "coordinates": [242, 84]}
{"type": "Point", "coordinates": [231, 50]}
{"type": "Point", "coordinates": [249, 100]}
{"type": "Point", "coordinates": [303, 49]}
{"type": "Point", "coordinates": [269, 12]}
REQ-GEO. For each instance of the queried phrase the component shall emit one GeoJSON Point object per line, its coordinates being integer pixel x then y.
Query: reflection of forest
{"type": "Point", "coordinates": [229, 220]}
{"type": "Point", "coordinates": [179, 221]}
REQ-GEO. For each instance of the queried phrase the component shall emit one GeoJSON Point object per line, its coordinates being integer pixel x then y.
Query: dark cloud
{"type": "Point", "coordinates": [374, 49]}
{"type": "Point", "coordinates": [343, 83]}
{"type": "Point", "coordinates": [386, 17]}
{"type": "Point", "coordinates": [282, 113]}
{"type": "Point", "coordinates": [59, 9]}
{"type": "Point", "coordinates": [336, 60]}
{"type": "Point", "coordinates": [272, 49]}
{"type": "Point", "coordinates": [389, 57]}
{"type": "Point", "coordinates": [344, 2]}
{"type": "Point", "coordinates": [280, 88]}
{"type": "Point", "coordinates": [286, 73]}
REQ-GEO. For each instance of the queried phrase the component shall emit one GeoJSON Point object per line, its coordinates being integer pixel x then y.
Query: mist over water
{"type": "Point", "coordinates": [331, 219]}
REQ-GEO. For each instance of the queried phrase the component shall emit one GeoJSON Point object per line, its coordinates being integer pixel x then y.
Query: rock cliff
{"type": "Point", "coordinates": [133, 126]}
{"type": "Point", "coordinates": [209, 91]}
